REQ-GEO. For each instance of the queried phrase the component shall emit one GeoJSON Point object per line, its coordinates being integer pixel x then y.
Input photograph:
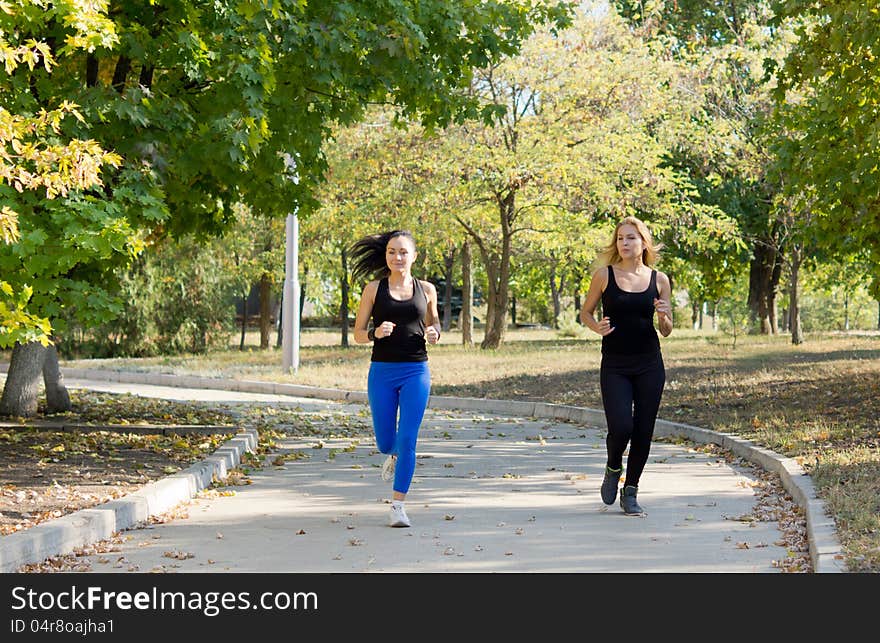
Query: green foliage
{"type": "Point", "coordinates": [828, 97]}
{"type": "Point", "coordinates": [724, 147]}
{"type": "Point", "coordinates": [67, 252]}
{"type": "Point", "coordinates": [836, 296]}
{"type": "Point", "coordinates": [733, 311]}
{"type": "Point", "coordinates": [204, 106]}
{"type": "Point", "coordinates": [694, 22]}
{"type": "Point", "coordinates": [582, 127]}
{"type": "Point", "coordinates": [16, 324]}
{"type": "Point", "coordinates": [177, 298]}
{"type": "Point", "coordinates": [40, 161]}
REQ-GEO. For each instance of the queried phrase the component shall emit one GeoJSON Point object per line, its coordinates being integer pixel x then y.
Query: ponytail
{"type": "Point", "coordinates": [368, 254]}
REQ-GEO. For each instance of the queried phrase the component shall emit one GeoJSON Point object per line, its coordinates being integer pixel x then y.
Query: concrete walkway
{"type": "Point", "coordinates": [491, 493]}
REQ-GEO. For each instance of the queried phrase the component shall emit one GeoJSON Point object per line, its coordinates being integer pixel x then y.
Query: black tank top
{"type": "Point", "coordinates": [632, 317]}
{"type": "Point", "coordinates": [406, 343]}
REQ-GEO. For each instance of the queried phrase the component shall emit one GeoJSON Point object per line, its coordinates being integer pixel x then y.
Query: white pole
{"type": "Point", "coordinates": [296, 291]}
{"type": "Point", "coordinates": [290, 298]}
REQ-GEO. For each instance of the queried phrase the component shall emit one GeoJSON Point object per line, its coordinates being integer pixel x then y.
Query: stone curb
{"type": "Point", "coordinates": [825, 549]}
{"type": "Point", "coordinates": [86, 526]}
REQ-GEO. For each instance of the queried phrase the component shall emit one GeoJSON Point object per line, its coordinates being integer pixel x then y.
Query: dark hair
{"type": "Point", "coordinates": [368, 254]}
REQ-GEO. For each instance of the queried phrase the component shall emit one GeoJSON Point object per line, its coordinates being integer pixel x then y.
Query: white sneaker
{"type": "Point", "coordinates": [388, 467]}
{"type": "Point", "coordinates": [399, 517]}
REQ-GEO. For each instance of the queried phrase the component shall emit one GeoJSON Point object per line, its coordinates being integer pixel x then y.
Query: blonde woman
{"type": "Point", "coordinates": [631, 374]}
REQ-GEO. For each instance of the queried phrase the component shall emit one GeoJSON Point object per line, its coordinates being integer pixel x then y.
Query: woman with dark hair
{"type": "Point", "coordinates": [404, 317]}
{"type": "Point", "coordinates": [631, 374]}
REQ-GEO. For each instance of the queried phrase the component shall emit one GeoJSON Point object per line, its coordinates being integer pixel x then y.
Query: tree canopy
{"type": "Point", "coordinates": [199, 107]}
{"type": "Point", "coordinates": [829, 98]}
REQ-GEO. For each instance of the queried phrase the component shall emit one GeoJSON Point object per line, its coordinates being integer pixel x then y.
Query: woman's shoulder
{"type": "Point", "coordinates": [662, 278]}
{"type": "Point", "coordinates": [601, 274]}
{"type": "Point", "coordinates": [372, 287]}
{"type": "Point", "coordinates": [427, 286]}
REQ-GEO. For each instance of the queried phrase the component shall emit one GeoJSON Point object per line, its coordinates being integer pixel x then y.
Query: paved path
{"type": "Point", "coordinates": [490, 494]}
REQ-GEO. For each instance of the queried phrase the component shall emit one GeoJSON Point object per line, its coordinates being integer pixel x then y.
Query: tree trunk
{"type": "Point", "coordinates": [694, 314]}
{"type": "Point", "coordinates": [762, 287]}
{"type": "Point", "coordinates": [146, 76]}
{"type": "Point", "coordinates": [120, 74]}
{"type": "Point", "coordinates": [467, 297]}
{"type": "Point", "coordinates": [794, 313]}
{"type": "Point", "coordinates": [302, 296]}
{"type": "Point", "coordinates": [846, 311]}
{"type": "Point", "coordinates": [715, 315]}
{"type": "Point", "coordinates": [496, 324]}
{"type": "Point", "coordinates": [497, 273]}
{"type": "Point", "coordinates": [554, 294]}
{"type": "Point", "coordinates": [277, 310]}
{"type": "Point", "coordinates": [343, 305]}
{"type": "Point", "coordinates": [448, 264]}
{"type": "Point", "coordinates": [513, 310]}
{"type": "Point", "coordinates": [244, 320]}
{"type": "Point", "coordinates": [775, 277]}
{"type": "Point", "coordinates": [23, 380]}
{"type": "Point", "coordinates": [577, 303]}
{"type": "Point", "coordinates": [491, 298]}
{"type": "Point", "coordinates": [265, 310]}
{"type": "Point", "coordinates": [57, 397]}
{"type": "Point", "coordinates": [91, 70]}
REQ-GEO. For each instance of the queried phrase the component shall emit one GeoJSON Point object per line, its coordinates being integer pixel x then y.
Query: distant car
{"type": "Point", "coordinates": [456, 300]}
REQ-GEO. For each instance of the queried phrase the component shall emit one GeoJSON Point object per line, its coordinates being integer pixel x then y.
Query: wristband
{"type": "Point", "coordinates": [371, 334]}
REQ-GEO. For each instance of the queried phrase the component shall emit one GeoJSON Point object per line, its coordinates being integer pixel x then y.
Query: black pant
{"type": "Point", "coordinates": [631, 389]}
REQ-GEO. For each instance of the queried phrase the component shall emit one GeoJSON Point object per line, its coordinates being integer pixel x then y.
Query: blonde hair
{"type": "Point", "coordinates": [650, 253]}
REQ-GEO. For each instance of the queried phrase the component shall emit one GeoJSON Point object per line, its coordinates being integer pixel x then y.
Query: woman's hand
{"type": "Point", "coordinates": [662, 309]}
{"type": "Point", "coordinates": [432, 335]}
{"type": "Point", "coordinates": [384, 329]}
{"type": "Point", "coordinates": [604, 327]}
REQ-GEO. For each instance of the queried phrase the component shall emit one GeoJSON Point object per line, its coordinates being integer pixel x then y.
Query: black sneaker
{"type": "Point", "coordinates": [609, 485]}
{"type": "Point", "coordinates": [628, 501]}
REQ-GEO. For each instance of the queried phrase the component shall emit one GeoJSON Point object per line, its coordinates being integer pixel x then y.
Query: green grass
{"type": "Point", "coordinates": [818, 402]}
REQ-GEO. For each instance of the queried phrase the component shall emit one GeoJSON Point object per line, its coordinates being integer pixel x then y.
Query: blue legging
{"type": "Point", "coordinates": [403, 386]}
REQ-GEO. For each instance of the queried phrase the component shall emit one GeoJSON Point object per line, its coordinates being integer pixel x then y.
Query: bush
{"type": "Point", "coordinates": [176, 298]}
{"type": "Point", "coordinates": [570, 326]}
